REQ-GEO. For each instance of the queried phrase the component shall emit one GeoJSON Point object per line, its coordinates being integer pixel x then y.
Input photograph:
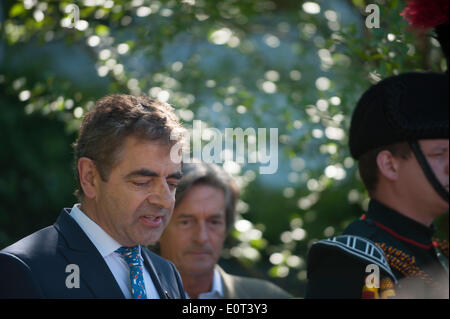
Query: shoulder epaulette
{"type": "Point", "coordinates": [361, 248]}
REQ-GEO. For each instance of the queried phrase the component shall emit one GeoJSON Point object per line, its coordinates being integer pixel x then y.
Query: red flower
{"type": "Point", "coordinates": [426, 14]}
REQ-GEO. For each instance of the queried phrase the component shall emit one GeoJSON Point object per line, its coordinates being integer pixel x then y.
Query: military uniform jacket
{"type": "Point", "coordinates": [412, 263]}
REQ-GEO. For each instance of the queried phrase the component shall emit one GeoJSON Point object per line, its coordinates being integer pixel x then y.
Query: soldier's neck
{"type": "Point", "coordinates": [407, 208]}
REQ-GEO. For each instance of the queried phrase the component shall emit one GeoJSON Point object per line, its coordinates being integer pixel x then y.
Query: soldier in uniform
{"type": "Point", "coordinates": [400, 136]}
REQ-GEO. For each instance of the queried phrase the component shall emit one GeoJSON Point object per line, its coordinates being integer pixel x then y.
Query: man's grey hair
{"type": "Point", "coordinates": [215, 176]}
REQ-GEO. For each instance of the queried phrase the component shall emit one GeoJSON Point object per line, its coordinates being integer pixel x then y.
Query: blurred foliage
{"type": "Point", "coordinates": [299, 66]}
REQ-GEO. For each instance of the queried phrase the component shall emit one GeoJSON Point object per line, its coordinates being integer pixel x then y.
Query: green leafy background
{"type": "Point", "coordinates": [299, 66]}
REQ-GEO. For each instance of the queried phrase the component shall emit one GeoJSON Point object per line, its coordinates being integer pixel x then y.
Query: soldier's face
{"type": "Point", "coordinates": [436, 152]}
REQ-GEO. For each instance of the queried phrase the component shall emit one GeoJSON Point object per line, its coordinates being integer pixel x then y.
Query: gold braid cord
{"type": "Point", "coordinates": [442, 245]}
{"type": "Point", "coordinates": [387, 288]}
{"type": "Point", "coordinates": [405, 264]}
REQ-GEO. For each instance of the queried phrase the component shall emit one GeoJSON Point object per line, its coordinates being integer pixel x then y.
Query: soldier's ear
{"type": "Point", "coordinates": [387, 165]}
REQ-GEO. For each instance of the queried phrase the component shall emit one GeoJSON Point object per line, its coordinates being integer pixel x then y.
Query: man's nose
{"type": "Point", "coordinates": [162, 196]}
{"type": "Point", "coordinates": [201, 233]}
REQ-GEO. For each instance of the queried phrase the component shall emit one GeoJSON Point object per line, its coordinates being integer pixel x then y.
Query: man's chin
{"type": "Point", "coordinates": [149, 240]}
{"type": "Point", "coordinates": [194, 261]}
{"type": "Point", "coordinates": [200, 269]}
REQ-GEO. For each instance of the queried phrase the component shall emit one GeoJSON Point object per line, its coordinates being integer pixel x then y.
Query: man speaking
{"type": "Point", "coordinates": [127, 184]}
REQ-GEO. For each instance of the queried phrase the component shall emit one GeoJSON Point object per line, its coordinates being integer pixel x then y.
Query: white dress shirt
{"type": "Point", "coordinates": [107, 246]}
{"type": "Point", "coordinates": [216, 291]}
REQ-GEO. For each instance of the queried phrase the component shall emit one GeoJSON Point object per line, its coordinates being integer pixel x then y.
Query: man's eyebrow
{"type": "Point", "coordinates": [144, 172]}
{"type": "Point", "coordinates": [217, 216]}
{"type": "Point", "coordinates": [176, 175]}
{"type": "Point", "coordinates": [186, 215]}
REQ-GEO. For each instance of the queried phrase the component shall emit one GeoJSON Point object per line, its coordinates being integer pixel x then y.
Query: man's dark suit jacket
{"type": "Point", "coordinates": [35, 266]}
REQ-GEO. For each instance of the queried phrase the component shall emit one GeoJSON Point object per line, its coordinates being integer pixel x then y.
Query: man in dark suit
{"type": "Point", "coordinates": [204, 213]}
{"type": "Point", "coordinates": [127, 178]}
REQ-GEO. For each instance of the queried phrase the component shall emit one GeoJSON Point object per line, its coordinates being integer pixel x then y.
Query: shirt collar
{"type": "Point", "coordinates": [217, 283]}
{"type": "Point", "coordinates": [104, 243]}
{"type": "Point", "coordinates": [400, 223]}
{"type": "Point", "coordinates": [216, 289]}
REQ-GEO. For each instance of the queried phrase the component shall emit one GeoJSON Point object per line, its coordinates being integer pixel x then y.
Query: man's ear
{"type": "Point", "coordinates": [87, 172]}
{"type": "Point", "coordinates": [387, 165]}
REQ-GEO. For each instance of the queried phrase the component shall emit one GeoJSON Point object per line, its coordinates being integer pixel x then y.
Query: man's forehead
{"type": "Point", "coordinates": [145, 172]}
{"type": "Point", "coordinates": [204, 189]}
{"type": "Point", "coordinates": [137, 143]}
{"type": "Point", "coordinates": [203, 200]}
{"type": "Point", "coordinates": [138, 154]}
{"type": "Point", "coordinates": [206, 195]}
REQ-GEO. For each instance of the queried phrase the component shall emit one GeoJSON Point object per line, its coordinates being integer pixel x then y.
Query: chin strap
{"type": "Point", "coordinates": [428, 170]}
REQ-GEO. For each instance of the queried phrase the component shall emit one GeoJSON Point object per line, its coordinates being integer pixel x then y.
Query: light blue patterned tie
{"type": "Point", "coordinates": [131, 256]}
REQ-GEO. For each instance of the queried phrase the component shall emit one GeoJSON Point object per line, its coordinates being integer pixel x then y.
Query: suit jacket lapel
{"type": "Point", "coordinates": [154, 274]}
{"type": "Point", "coordinates": [79, 250]}
{"type": "Point", "coordinates": [227, 284]}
